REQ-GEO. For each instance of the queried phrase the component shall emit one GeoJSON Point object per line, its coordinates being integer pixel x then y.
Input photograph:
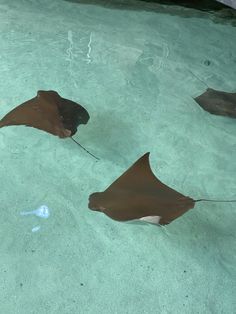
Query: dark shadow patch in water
{"type": "Point", "coordinates": [211, 9]}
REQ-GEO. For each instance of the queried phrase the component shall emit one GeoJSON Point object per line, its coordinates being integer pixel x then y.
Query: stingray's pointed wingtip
{"type": "Point", "coordinates": [145, 158]}
{"type": "Point", "coordinates": [146, 155]}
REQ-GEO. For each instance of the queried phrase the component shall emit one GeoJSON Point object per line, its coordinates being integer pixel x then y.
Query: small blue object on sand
{"type": "Point", "coordinates": [42, 211]}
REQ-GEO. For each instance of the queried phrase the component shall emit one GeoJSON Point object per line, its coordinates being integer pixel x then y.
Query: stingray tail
{"type": "Point", "coordinates": [84, 148]}
{"type": "Point", "coordinates": [217, 201]}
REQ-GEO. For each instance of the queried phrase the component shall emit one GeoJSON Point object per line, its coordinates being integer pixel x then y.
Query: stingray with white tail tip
{"type": "Point", "coordinates": [138, 194]}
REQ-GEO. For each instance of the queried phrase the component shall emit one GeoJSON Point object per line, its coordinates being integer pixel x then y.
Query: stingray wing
{"type": "Point", "coordinates": [218, 102]}
{"type": "Point", "coordinates": [40, 113]}
{"type": "Point", "coordinates": [139, 177]}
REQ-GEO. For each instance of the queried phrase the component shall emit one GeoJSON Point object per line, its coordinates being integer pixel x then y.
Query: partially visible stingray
{"type": "Point", "coordinates": [218, 102]}
{"type": "Point", "coordinates": [49, 112]}
{"type": "Point", "coordinates": [138, 194]}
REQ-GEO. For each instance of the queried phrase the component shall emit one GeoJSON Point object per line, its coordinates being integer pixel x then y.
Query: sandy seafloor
{"type": "Point", "coordinates": [136, 69]}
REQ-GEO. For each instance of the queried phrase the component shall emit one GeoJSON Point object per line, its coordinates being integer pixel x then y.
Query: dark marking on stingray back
{"type": "Point", "coordinates": [72, 115]}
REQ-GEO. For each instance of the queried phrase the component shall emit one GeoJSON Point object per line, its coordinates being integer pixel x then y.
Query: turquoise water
{"type": "Point", "coordinates": [136, 69]}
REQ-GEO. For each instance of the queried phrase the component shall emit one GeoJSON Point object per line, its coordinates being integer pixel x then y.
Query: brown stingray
{"type": "Point", "coordinates": [138, 194]}
{"type": "Point", "coordinates": [49, 112]}
{"type": "Point", "coordinates": [218, 102]}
